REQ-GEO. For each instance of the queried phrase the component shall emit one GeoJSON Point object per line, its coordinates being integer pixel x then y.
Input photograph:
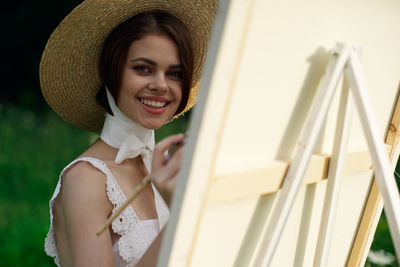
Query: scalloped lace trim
{"type": "Point", "coordinates": [50, 247]}
{"type": "Point", "coordinates": [50, 243]}
{"type": "Point", "coordinates": [133, 241]}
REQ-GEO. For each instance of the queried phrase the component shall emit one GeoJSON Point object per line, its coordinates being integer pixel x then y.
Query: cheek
{"type": "Point", "coordinates": [131, 79]}
{"type": "Point", "coordinates": [127, 82]}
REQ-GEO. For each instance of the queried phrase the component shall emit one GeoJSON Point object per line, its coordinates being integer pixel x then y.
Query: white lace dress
{"type": "Point", "coordinates": [136, 235]}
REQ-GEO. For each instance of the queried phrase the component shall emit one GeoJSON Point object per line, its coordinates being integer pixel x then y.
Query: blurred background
{"type": "Point", "coordinates": [35, 144]}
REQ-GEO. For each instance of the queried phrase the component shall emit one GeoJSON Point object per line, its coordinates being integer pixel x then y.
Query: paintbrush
{"type": "Point", "coordinates": [139, 188]}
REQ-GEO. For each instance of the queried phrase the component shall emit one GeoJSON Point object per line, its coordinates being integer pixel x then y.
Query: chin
{"type": "Point", "coordinates": [153, 125]}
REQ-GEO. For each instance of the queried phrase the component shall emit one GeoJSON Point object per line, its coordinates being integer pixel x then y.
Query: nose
{"type": "Point", "coordinates": [159, 83]}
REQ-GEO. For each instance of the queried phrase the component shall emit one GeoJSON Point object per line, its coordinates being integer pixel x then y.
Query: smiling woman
{"type": "Point", "coordinates": [151, 86]}
{"type": "Point", "coordinates": [140, 61]}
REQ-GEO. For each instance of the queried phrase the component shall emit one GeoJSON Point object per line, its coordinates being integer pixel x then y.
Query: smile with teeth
{"type": "Point", "coordinates": [153, 104]}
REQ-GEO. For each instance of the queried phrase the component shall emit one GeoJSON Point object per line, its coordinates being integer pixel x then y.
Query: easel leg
{"type": "Point", "coordinates": [335, 175]}
{"type": "Point", "coordinates": [384, 177]}
{"type": "Point", "coordinates": [296, 171]}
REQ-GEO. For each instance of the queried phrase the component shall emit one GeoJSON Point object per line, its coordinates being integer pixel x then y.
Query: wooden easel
{"type": "Point", "coordinates": [224, 199]}
{"type": "Point", "coordinates": [344, 61]}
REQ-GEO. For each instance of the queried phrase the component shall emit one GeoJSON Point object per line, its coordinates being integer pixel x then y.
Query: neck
{"type": "Point", "coordinates": [115, 131]}
{"type": "Point", "coordinates": [118, 127]}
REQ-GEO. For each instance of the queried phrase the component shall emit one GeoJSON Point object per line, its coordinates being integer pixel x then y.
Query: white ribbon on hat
{"type": "Point", "coordinates": [130, 138]}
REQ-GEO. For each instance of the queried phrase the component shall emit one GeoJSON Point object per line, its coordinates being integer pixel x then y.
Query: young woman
{"type": "Point", "coordinates": [127, 68]}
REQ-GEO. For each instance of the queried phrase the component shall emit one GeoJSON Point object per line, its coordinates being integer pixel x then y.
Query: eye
{"type": "Point", "coordinates": [176, 74]}
{"type": "Point", "coordinates": [142, 69]}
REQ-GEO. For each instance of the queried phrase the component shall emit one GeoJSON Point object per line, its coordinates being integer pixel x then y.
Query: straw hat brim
{"type": "Point", "coordinates": [69, 74]}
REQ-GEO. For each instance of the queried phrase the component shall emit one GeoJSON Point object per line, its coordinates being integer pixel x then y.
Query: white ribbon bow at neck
{"type": "Point", "coordinates": [133, 147]}
{"type": "Point", "coordinates": [129, 137]}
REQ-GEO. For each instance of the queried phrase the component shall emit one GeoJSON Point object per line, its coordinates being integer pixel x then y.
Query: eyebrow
{"type": "Point", "coordinates": [151, 62]}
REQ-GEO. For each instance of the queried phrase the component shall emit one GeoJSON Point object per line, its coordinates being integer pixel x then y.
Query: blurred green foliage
{"type": "Point", "coordinates": [33, 150]}
{"type": "Point", "coordinates": [382, 239]}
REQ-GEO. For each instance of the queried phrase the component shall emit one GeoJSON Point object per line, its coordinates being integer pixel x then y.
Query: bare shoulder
{"type": "Point", "coordinates": [83, 173]}
{"type": "Point", "coordinates": [84, 183]}
{"type": "Point", "coordinates": [80, 211]}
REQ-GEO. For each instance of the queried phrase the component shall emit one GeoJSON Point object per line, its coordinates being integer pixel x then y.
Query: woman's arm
{"type": "Point", "coordinates": [84, 206]}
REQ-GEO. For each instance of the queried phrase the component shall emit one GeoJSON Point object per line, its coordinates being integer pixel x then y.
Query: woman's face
{"type": "Point", "coordinates": [151, 83]}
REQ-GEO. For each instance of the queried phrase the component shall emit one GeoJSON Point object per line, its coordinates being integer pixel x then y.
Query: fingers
{"type": "Point", "coordinates": [175, 158]}
{"type": "Point", "coordinates": [168, 142]}
{"type": "Point", "coordinates": [163, 146]}
{"type": "Point", "coordinates": [164, 171]}
{"type": "Point", "coordinates": [168, 170]}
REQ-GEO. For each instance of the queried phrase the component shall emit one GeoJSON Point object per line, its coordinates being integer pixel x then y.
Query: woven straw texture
{"type": "Point", "coordinates": [69, 73]}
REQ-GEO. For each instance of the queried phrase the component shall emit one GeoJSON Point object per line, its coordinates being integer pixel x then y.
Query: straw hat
{"type": "Point", "coordinates": [69, 75]}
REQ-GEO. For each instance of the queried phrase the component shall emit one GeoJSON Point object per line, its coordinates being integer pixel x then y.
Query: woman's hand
{"type": "Point", "coordinates": [164, 171]}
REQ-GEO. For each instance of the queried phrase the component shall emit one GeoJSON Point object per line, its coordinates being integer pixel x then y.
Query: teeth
{"type": "Point", "coordinates": [154, 104]}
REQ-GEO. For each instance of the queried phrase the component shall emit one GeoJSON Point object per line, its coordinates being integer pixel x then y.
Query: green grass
{"type": "Point", "coordinates": [34, 148]}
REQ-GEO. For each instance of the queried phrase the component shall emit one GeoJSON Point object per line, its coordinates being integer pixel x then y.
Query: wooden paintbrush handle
{"type": "Point", "coordinates": [139, 188]}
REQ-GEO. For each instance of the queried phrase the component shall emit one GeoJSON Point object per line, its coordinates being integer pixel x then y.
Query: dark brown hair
{"type": "Point", "coordinates": [118, 42]}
